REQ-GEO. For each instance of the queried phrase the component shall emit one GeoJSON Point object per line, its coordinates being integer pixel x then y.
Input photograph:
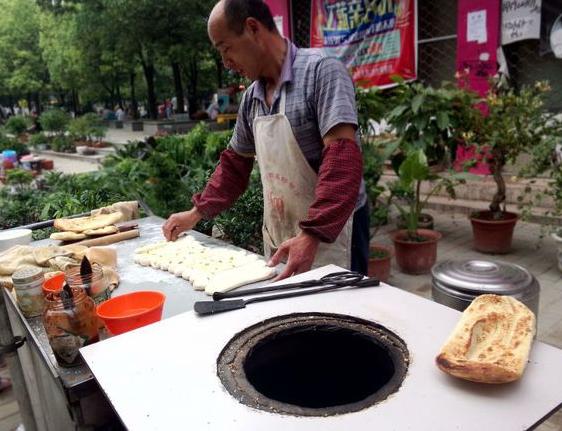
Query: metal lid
{"type": "Point", "coordinates": [27, 274]}
{"type": "Point", "coordinates": [479, 277]}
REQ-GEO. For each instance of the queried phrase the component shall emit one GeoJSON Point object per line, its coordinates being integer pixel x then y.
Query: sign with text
{"type": "Point", "coordinates": [374, 39]}
{"type": "Point", "coordinates": [521, 19]}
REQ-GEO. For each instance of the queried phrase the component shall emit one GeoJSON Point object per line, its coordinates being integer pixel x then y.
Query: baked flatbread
{"type": "Point", "coordinates": [82, 224]}
{"type": "Point", "coordinates": [491, 342]}
{"type": "Point", "coordinates": [68, 236]}
{"type": "Point", "coordinates": [107, 230]}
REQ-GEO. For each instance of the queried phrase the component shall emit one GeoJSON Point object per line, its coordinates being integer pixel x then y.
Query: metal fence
{"type": "Point", "coordinates": [437, 48]}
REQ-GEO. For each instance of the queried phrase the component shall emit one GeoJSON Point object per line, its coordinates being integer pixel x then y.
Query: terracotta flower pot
{"type": "Point", "coordinates": [493, 236]}
{"type": "Point", "coordinates": [379, 266]}
{"type": "Point", "coordinates": [416, 257]}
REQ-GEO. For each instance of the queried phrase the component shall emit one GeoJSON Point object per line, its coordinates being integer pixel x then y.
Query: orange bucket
{"type": "Point", "coordinates": [132, 310]}
{"type": "Point", "coordinates": [53, 284]}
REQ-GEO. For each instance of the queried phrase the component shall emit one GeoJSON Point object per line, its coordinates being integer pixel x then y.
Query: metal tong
{"type": "Point", "coordinates": [329, 282]}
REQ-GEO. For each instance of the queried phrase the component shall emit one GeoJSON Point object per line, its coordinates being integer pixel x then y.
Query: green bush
{"type": "Point", "coordinates": [7, 143]}
{"type": "Point", "coordinates": [63, 144]}
{"type": "Point", "coordinates": [87, 127]}
{"type": "Point", "coordinates": [54, 120]}
{"type": "Point", "coordinates": [37, 139]}
{"type": "Point", "coordinates": [16, 125]}
{"type": "Point", "coordinates": [18, 177]}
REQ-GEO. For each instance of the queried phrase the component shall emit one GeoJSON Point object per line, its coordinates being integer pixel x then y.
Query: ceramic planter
{"type": "Point", "coordinates": [416, 257]}
{"type": "Point", "coordinates": [379, 267]}
{"type": "Point", "coordinates": [493, 236]}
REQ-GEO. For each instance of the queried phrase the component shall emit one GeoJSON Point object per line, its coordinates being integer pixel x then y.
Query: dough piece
{"type": "Point", "coordinates": [229, 279]}
{"type": "Point", "coordinates": [68, 236]}
{"type": "Point", "coordinates": [81, 224]}
{"type": "Point", "coordinates": [491, 342]}
{"type": "Point", "coordinates": [107, 230]}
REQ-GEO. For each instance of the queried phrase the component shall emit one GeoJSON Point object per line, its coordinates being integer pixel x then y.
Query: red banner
{"type": "Point", "coordinates": [374, 39]}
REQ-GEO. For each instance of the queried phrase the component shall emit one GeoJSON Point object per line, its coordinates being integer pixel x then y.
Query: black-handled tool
{"type": "Point", "coordinates": [342, 278]}
{"type": "Point", "coordinates": [213, 307]}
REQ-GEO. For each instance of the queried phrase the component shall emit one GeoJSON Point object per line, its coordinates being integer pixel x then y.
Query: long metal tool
{"type": "Point", "coordinates": [213, 307]}
{"type": "Point", "coordinates": [343, 278]}
{"type": "Point", "coordinates": [48, 223]}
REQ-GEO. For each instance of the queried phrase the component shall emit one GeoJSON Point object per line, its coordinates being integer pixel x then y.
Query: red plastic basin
{"type": "Point", "coordinates": [131, 311]}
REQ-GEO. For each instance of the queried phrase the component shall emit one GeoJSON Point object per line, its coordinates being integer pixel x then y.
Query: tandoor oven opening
{"type": "Point", "coordinates": [313, 364]}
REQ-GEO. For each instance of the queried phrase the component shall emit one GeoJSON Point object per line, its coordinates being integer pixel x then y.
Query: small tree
{"type": "Point", "coordinates": [55, 121]}
{"type": "Point", "coordinates": [516, 123]}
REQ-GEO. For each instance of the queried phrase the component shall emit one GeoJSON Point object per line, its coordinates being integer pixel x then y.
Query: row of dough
{"type": "Point", "coordinates": [207, 267]}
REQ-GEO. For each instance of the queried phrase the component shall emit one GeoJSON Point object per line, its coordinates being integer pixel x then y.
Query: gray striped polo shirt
{"type": "Point", "coordinates": [320, 95]}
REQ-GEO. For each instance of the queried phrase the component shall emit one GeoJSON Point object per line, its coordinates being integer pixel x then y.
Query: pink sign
{"type": "Point", "coordinates": [478, 35]}
{"type": "Point", "coordinates": [477, 41]}
{"type": "Point", "coordinates": [281, 12]}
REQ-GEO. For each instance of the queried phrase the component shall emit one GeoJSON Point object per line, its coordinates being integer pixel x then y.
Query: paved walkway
{"type": "Point", "coordinates": [122, 136]}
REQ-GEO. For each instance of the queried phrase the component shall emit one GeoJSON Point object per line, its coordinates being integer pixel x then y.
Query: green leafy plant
{"type": "Point", "coordinates": [16, 125]}
{"type": "Point", "coordinates": [63, 144]}
{"type": "Point", "coordinates": [37, 140]}
{"type": "Point", "coordinates": [406, 192]}
{"type": "Point", "coordinates": [87, 127]}
{"type": "Point", "coordinates": [431, 119]}
{"type": "Point", "coordinates": [517, 123]}
{"type": "Point", "coordinates": [54, 120]}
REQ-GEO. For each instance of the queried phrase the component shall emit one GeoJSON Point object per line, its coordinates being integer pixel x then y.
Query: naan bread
{"type": "Point", "coordinates": [230, 279]}
{"type": "Point", "coordinates": [68, 236]}
{"type": "Point", "coordinates": [491, 342]}
{"type": "Point", "coordinates": [82, 224]}
{"type": "Point", "coordinates": [107, 230]}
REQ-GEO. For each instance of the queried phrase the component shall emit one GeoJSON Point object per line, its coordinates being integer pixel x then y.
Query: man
{"type": "Point", "coordinates": [299, 120]}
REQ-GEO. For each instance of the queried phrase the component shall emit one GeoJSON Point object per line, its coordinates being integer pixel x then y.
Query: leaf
{"type": "Point", "coordinates": [417, 102]}
{"type": "Point", "coordinates": [414, 168]}
{"type": "Point", "coordinates": [396, 112]}
{"type": "Point", "coordinates": [443, 120]}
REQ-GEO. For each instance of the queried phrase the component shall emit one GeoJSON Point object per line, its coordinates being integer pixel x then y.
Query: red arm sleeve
{"type": "Point", "coordinates": [226, 184]}
{"type": "Point", "coordinates": [339, 179]}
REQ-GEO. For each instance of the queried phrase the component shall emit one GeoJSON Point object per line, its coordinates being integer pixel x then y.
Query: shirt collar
{"type": "Point", "coordinates": [287, 73]}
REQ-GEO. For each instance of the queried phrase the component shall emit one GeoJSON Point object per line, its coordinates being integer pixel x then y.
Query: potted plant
{"type": "Point", "coordinates": [515, 123]}
{"type": "Point", "coordinates": [415, 248]}
{"type": "Point", "coordinates": [371, 108]}
{"type": "Point", "coordinates": [431, 120]}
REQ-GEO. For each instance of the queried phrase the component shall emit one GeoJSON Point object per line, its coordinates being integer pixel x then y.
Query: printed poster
{"type": "Point", "coordinates": [521, 19]}
{"type": "Point", "coordinates": [374, 39]}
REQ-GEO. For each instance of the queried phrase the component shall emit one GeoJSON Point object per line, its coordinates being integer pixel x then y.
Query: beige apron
{"type": "Point", "coordinates": [288, 188]}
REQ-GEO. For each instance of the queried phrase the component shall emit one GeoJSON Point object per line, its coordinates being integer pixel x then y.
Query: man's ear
{"type": "Point", "coordinates": [252, 25]}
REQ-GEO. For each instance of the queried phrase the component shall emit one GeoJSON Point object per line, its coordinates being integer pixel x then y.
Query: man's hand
{"type": "Point", "coordinates": [299, 251]}
{"type": "Point", "coordinates": [180, 222]}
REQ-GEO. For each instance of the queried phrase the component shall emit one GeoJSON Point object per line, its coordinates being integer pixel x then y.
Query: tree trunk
{"type": "Point", "coordinates": [134, 103]}
{"type": "Point", "coordinates": [148, 70]}
{"type": "Point", "coordinates": [37, 100]}
{"type": "Point", "coordinates": [497, 170]}
{"type": "Point", "coordinates": [193, 83]}
{"type": "Point", "coordinates": [179, 87]}
{"type": "Point", "coordinates": [119, 97]}
{"type": "Point", "coordinates": [75, 102]}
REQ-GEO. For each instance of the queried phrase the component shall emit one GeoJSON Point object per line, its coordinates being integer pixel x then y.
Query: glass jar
{"type": "Point", "coordinates": [95, 284]}
{"type": "Point", "coordinates": [69, 329]}
{"type": "Point", "coordinates": [28, 282]}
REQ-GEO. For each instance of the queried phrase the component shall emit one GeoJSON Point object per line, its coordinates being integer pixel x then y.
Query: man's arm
{"type": "Point", "coordinates": [226, 185]}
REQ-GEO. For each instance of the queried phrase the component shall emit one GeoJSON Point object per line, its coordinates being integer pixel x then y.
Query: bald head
{"type": "Point", "coordinates": [234, 13]}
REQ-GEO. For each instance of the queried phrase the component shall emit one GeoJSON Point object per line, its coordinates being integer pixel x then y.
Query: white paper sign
{"type": "Point", "coordinates": [521, 19]}
{"type": "Point", "coordinates": [476, 27]}
{"type": "Point", "coordinates": [279, 23]}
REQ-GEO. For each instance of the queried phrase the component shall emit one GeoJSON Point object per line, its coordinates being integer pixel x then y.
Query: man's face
{"type": "Point", "coordinates": [240, 53]}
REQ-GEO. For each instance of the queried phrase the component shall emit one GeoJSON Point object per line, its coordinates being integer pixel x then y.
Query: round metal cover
{"type": "Point", "coordinates": [481, 276]}
{"type": "Point", "coordinates": [27, 274]}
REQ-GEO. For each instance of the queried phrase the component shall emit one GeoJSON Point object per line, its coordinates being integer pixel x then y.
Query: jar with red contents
{"type": "Point", "coordinates": [70, 323]}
